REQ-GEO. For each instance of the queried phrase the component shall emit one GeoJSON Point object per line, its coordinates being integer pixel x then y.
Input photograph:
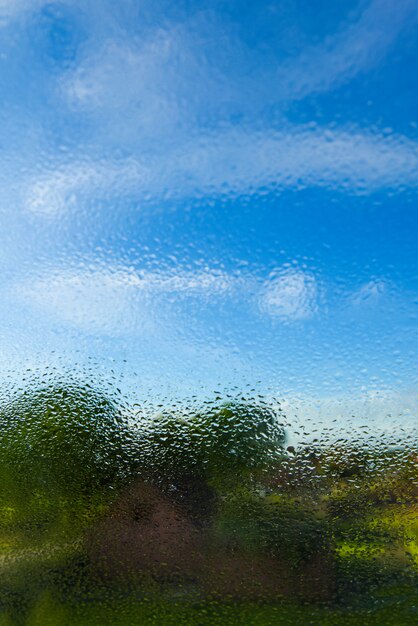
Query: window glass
{"type": "Point", "coordinates": [208, 305]}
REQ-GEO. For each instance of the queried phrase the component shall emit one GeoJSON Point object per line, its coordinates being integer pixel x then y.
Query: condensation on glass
{"type": "Point", "coordinates": [208, 301]}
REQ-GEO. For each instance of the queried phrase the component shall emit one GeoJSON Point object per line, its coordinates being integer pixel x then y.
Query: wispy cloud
{"type": "Point", "coordinates": [67, 188]}
{"type": "Point", "coordinates": [166, 99]}
{"type": "Point", "coordinates": [297, 157]}
{"type": "Point", "coordinates": [371, 292]}
{"type": "Point", "coordinates": [290, 295]}
{"type": "Point", "coordinates": [122, 300]}
{"type": "Point", "coordinates": [173, 74]}
{"type": "Point", "coordinates": [236, 162]}
{"type": "Point", "coordinates": [113, 301]}
{"type": "Point", "coordinates": [356, 47]}
{"type": "Point", "coordinates": [133, 92]}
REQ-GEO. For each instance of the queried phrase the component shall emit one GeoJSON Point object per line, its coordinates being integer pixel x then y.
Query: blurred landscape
{"type": "Point", "coordinates": [197, 516]}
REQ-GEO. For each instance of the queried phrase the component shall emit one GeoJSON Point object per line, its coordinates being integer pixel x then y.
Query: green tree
{"type": "Point", "coordinates": [64, 437]}
{"type": "Point", "coordinates": [226, 441]}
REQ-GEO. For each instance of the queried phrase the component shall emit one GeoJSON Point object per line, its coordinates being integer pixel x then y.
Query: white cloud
{"type": "Point", "coordinates": [171, 74]}
{"type": "Point", "coordinates": [370, 292]}
{"type": "Point", "coordinates": [151, 96]}
{"type": "Point", "coordinates": [114, 302]}
{"type": "Point", "coordinates": [290, 295]}
{"type": "Point", "coordinates": [243, 162]}
{"type": "Point", "coordinates": [118, 71]}
{"type": "Point", "coordinates": [65, 188]}
{"type": "Point", "coordinates": [153, 88]}
{"type": "Point", "coordinates": [235, 163]}
{"type": "Point", "coordinates": [117, 301]}
{"type": "Point", "coordinates": [340, 57]}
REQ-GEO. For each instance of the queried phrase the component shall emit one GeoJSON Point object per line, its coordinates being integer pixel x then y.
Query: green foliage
{"type": "Point", "coordinates": [224, 442]}
{"type": "Point", "coordinates": [333, 516]}
{"type": "Point", "coordinates": [63, 438]}
{"type": "Point", "coordinates": [277, 525]}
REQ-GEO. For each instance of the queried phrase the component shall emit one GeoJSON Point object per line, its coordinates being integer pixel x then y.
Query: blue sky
{"type": "Point", "coordinates": [213, 193]}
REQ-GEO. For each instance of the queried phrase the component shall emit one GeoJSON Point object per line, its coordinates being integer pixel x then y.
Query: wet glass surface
{"type": "Point", "coordinates": [208, 301]}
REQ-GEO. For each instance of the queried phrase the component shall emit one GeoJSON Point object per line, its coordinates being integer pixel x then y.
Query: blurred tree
{"type": "Point", "coordinates": [196, 457]}
{"type": "Point", "coordinates": [64, 437]}
{"type": "Point", "coordinates": [224, 442]}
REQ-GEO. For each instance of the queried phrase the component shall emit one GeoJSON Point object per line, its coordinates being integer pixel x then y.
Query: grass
{"type": "Point", "coordinates": [153, 612]}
